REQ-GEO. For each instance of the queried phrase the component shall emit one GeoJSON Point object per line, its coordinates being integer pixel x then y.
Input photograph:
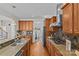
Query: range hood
{"type": "Point", "coordinates": [55, 24]}
{"type": "Point", "coordinates": [58, 23]}
{"type": "Point", "coordinates": [59, 17]}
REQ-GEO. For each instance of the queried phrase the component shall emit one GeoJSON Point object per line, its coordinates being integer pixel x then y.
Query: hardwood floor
{"type": "Point", "coordinates": [37, 49]}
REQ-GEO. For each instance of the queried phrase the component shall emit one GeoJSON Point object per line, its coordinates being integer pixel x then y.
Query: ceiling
{"type": "Point", "coordinates": [28, 10]}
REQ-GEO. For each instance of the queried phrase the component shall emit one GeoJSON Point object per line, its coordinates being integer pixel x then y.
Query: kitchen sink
{"type": "Point", "coordinates": [18, 42]}
{"type": "Point", "coordinates": [14, 44]}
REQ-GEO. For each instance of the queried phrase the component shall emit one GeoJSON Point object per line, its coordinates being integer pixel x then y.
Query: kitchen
{"type": "Point", "coordinates": [39, 29]}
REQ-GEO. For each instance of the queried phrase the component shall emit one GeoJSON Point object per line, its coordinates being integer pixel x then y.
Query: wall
{"type": "Point", "coordinates": [8, 25]}
{"type": "Point", "coordinates": [38, 25]}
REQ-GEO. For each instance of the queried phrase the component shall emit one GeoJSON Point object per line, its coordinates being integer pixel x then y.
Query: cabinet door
{"type": "Point", "coordinates": [31, 25]}
{"type": "Point", "coordinates": [76, 18]}
{"type": "Point", "coordinates": [52, 49]}
{"type": "Point", "coordinates": [23, 50]}
{"type": "Point", "coordinates": [20, 25]}
{"type": "Point", "coordinates": [24, 26]}
{"type": "Point", "coordinates": [53, 19]}
{"type": "Point", "coordinates": [47, 46]}
{"type": "Point", "coordinates": [27, 26]}
{"type": "Point", "coordinates": [47, 24]}
{"type": "Point", "coordinates": [67, 19]}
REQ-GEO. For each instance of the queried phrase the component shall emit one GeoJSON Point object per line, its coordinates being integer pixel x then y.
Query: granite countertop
{"type": "Point", "coordinates": [11, 50]}
{"type": "Point", "coordinates": [4, 40]}
{"type": "Point", "coordinates": [62, 49]}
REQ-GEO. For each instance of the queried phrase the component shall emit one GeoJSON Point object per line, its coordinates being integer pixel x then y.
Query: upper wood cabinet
{"type": "Point", "coordinates": [26, 25]}
{"type": "Point", "coordinates": [47, 24]}
{"type": "Point", "coordinates": [70, 19]}
{"type": "Point", "coordinates": [53, 19]}
{"type": "Point", "coordinates": [67, 18]}
{"type": "Point", "coordinates": [76, 18]}
{"type": "Point", "coordinates": [20, 25]}
{"type": "Point", "coordinates": [48, 21]}
{"type": "Point", "coordinates": [30, 23]}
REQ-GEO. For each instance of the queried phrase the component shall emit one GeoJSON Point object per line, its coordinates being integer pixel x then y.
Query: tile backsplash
{"type": "Point", "coordinates": [61, 36]}
{"type": "Point", "coordinates": [74, 40]}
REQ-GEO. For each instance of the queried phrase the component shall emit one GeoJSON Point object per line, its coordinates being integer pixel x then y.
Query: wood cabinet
{"type": "Point", "coordinates": [67, 18]}
{"type": "Point", "coordinates": [20, 25]}
{"type": "Point", "coordinates": [52, 50]}
{"type": "Point", "coordinates": [48, 47]}
{"type": "Point", "coordinates": [49, 21]}
{"type": "Point", "coordinates": [30, 24]}
{"type": "Point", "coordinates": [26, 49]}
{"type": "Point", "coordinates": [47, 27]}
{"type": "Point", "coordinates": [26, 25]}
{"type": "Point", "coordinates": [47, 24]}
{"type": "Point", "coordinates": [53, 19]}
{"type": "Point", "coordinates": [70, 19]}
{"type": "Point", "coordinates": [76, 18]}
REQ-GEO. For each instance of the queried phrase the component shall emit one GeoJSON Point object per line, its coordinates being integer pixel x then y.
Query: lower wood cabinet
{"type": "Point", "coordinates": [26, 49]}
{"type": "Point", "coordinates": [48, 46]}
{"type": "Point", "coordinates": [52, 50]}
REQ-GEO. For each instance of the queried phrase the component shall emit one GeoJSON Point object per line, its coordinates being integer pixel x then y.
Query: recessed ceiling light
{"type": "Point", "coordinates": [14, 6]}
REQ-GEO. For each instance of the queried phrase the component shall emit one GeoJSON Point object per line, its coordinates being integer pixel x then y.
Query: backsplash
{"type": "Point", "coordinates": [25, 32]}
{"type": "Point", "coordinates": [60, 37]}
{"type": "Point", "coordinates": [74, 41]}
